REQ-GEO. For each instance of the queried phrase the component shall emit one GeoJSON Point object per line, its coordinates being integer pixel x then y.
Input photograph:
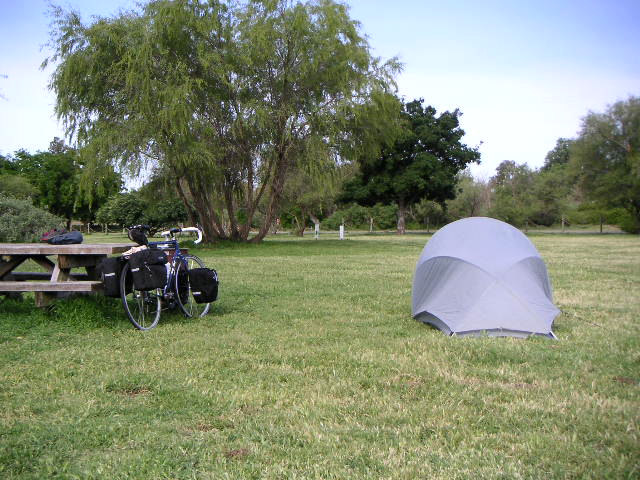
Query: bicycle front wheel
{"type": "Point", "coordinates": [142, 307]}
{"type": "Point", "coordinates": [184, 295]}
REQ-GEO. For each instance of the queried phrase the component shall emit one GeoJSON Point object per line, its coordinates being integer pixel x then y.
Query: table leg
{"type": "Point", "coordinates": [44, 262]}
{"type": "Point", "coordinates": [60, 274]}
{"type": "Point", "coordinates": [92, 273]}
{"type": "Point", "coordinates": [7, 266]}
{"type": "Point", "coordinates": [44, 299]}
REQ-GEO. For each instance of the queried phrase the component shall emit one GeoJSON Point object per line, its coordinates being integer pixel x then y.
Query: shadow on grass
{"type": "Point", "coordinates": [72, 315]}
{"type": "Point", "coordinates": [19, 317]}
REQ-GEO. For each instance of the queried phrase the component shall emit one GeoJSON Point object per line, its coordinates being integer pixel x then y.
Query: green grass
{"type": "Point", "coordinates": [310, 367]}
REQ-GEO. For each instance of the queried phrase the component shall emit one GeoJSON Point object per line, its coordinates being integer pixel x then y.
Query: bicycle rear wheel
{"type": "Point", "coordinates": [184, 295]}
{"type": "Point", "coordinates": [142, 307]}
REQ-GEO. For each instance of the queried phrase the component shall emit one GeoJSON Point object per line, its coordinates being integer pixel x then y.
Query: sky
{"type": "Point", "coordinates": [522, 72]}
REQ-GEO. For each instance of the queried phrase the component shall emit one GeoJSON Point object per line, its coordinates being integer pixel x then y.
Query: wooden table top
{"type": "Point", "coordinates": [76, 249]}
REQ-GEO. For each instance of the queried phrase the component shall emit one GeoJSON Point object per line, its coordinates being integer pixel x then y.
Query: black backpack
{"type": "Point", "coordinates": [68, 238]}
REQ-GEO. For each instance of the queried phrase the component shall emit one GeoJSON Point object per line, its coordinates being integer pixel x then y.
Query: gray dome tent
{"type": "Point", "coordinates": [481, 275]}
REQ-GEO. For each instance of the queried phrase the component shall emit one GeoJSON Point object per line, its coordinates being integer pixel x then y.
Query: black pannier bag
{"type": "Point", "coordinates": [204, 284]}
{"type": "Point", "coordinates": [110, 271]}
{"type": "Point", "coordinates": [148, 256]}
{"type": "Point", "coordinates": [183, 285]}
{"type": "Point", "coordinates": [148, 269]}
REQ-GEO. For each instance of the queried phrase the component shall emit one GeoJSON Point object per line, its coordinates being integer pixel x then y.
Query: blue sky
{"type": "Point", "coordinates": [523, 73]}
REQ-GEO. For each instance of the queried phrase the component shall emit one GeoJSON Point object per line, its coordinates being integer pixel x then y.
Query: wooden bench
{"type": "Point", "coordinates": [23, 276]}
{"type": "Point", "coordinates": [47, 292]}
{"type": "Point", "coordinates": [25, 286]}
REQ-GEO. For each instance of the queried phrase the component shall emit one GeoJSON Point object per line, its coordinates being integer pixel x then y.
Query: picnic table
{"type": "Point", "coordinates": [58, 261]}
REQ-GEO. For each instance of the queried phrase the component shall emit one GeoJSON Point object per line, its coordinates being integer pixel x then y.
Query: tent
{"type": "Point", "coordinates": [483, 276]}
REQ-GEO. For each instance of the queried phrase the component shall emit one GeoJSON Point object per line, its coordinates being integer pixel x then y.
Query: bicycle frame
{"type": "Point", "coordinates": [170, 244]}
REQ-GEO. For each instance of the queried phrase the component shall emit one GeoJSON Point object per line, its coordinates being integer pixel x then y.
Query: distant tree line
{"type": "Point", "coordinates": [591, 179]}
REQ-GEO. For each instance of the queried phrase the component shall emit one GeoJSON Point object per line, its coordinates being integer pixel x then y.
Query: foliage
{"type": "Point", "coordinates": [513, 199]}
{"type": "Point", "coordinates": [553, 192]}
{"type": "Point", "coordinates": [124, 209]}
{"type": "Point", "coordinates": [522, 196]}
{"type": "Point", "coordinates": [472, 198]}
{"type": "Point", "coordinates": [228, 96]}
{"type": "Point", "coordinates": [606, 158]}
{"type": "Point", "coordinates": [134, 208]}
{"type": "Point", "coordinates": [312, 195]}
{"type": "Point", "coordinates": [422, 163]}
{"type": "Point", "coordinates": [54, 177]}
{"type": "Point", "coordinates": [559, 155]}
{"type": "Point", "coordinates": [16, 186]}
{"type": "Point", "coordinates": [428, 213]}
{"type": "Point", "coordinates": [378, 217]}
{"type": "Point", "coordinates": [20, 221]}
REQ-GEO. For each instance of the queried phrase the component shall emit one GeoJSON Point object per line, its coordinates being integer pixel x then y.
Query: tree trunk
{"type": "Point", "coordinates": [234, 230]}
{"type": "Point", "coordinates": [275, 197]}
{"type": "Point", "coordinates": [302, 223]}
{"type": "Point", "coordinates": [192, 215]}
{"type": "Point", "coordinates": [402, 211]}
{"type": "Point", "coordinates": [209, 221]}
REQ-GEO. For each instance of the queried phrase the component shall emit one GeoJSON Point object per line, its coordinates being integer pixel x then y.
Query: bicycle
{"type": "Point", "coordinates": [144, 307]}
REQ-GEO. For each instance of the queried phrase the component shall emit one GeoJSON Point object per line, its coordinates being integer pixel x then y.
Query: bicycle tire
{"type": "Point", "coordinates": [185, 299]}
{"type": "Point", "coordinates": [143, 308]}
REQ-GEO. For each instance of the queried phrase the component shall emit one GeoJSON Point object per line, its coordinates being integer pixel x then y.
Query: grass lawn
{"type": "Point", "coordinates": [310, 367]}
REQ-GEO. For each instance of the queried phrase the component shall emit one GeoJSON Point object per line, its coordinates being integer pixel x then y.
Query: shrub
{"type": "Point", "coordinates": [17, 187]}
{"type": "Point", "coordinates": [358, 217]}
{"type": "Point", "coordinates": [627, 222]}
{"type": "Point", "coordinates": [132, 208]}
{"type": "Point", "coordinates": [20, 221]}
{"type": "Point", "coordinates": [591, 214]}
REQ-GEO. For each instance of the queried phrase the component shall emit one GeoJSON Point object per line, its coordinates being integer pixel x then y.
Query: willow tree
{"type": "Point", "coordinates": [230, 97]}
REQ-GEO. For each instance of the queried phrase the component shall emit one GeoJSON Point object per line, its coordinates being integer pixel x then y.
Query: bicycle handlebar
{"type": "Point", "coordinates": [168, 233]}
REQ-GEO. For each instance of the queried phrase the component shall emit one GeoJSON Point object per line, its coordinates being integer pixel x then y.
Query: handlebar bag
{"type": "Point", "coordinates": [137, 235]}
{"type": "Point", "coordinates": [148, 269]}
{"type": "Point", "coordinates": [110, 271]}
{"type": "Point", "coordinates": [204, 284]}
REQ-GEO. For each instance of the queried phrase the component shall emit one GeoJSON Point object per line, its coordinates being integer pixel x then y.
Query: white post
{"type": "Point", "coordinates": [316, 231]}
{"type": "Point", "coordinates": [341, 232]}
